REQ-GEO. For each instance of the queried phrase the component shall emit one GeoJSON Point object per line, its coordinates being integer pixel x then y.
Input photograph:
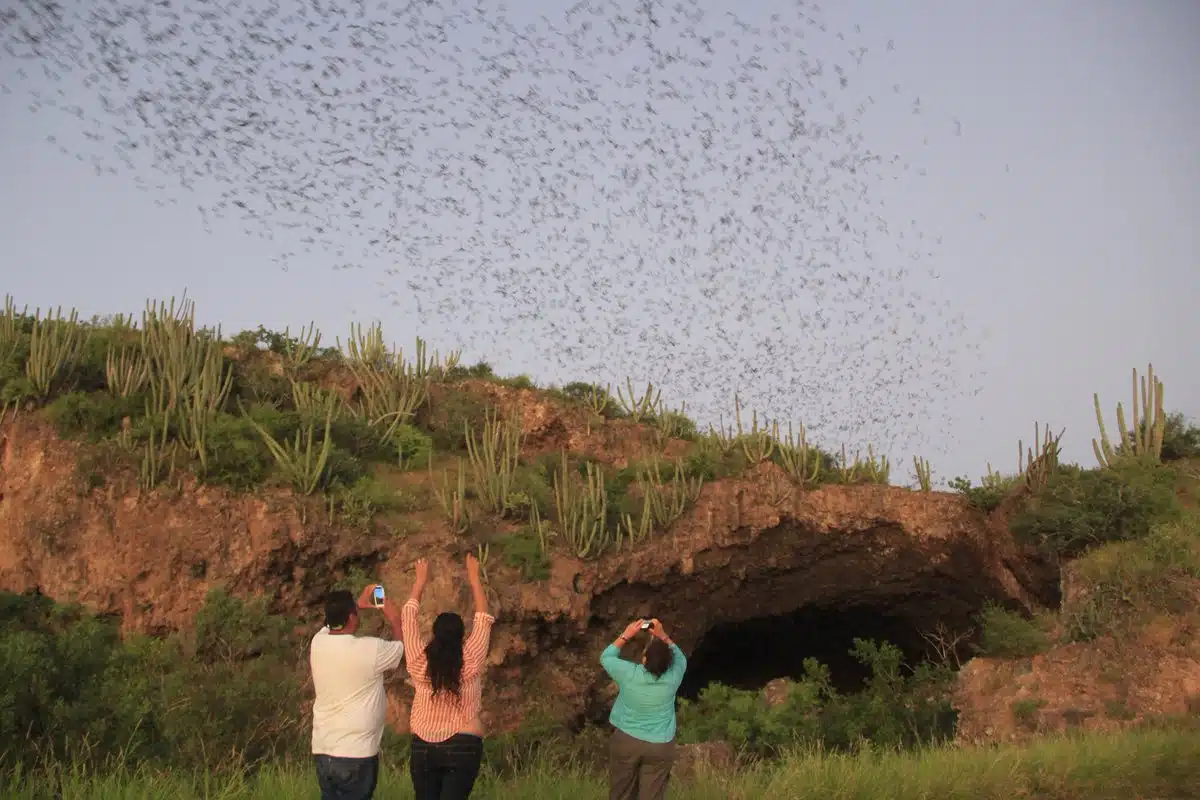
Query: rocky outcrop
{"type": "Point", "coordinates": [1107, 684]}
{"type": "Point", "coordinates": [746, 550]}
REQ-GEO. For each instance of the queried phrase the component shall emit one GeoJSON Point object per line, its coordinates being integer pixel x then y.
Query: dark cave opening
{"type": "Point", "coordinates": [746, 655]}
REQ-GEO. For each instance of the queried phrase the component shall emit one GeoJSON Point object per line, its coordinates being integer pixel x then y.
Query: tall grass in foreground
{"type": "Point", "coordinates": [1146, 764]}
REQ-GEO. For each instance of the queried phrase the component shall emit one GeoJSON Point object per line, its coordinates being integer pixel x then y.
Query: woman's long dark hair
{"type": "Point", "coordinates": [443, 654]}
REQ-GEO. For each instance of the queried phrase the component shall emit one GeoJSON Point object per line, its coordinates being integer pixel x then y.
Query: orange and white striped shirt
{"type": "Point", "coordinates": [436, 719]}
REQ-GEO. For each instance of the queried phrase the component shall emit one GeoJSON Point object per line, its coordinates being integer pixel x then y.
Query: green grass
{"type": "Point", "coordinates": [1150, 763]}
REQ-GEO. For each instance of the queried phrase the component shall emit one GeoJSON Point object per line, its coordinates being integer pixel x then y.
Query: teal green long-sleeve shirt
{"type": "Point", "coordinates": [645, 705]}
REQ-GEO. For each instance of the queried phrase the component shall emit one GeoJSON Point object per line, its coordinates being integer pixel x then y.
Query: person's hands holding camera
{"type": "Point", "coordinates": [632, 629]}
{"type": "Point", "coordinates": [657, 630]}
{"type": "Point", "coordinates": [365, 599]}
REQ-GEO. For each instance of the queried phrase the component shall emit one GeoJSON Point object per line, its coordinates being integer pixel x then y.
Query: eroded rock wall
{"type": "Point", "coordinates": [747, 549]}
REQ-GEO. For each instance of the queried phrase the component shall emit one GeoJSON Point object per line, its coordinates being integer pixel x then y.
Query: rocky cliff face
{"type": "Point", "coordinates": [749, 549]}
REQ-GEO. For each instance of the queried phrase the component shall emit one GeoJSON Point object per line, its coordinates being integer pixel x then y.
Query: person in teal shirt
{"type": "Point", "coordinates": [642, 749]}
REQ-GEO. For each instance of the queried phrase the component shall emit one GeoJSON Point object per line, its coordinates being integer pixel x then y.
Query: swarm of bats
{"type": "Point", "coordinates": [671, 191]}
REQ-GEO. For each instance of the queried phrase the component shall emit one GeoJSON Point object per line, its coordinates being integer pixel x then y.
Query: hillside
{"type": "Point", "coordinates": [156, 471]}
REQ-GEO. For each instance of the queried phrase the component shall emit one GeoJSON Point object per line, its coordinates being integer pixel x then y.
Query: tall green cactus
{"type": "Point", "coordinates": [669, 425]}
{"type": "Point", "coordinates": [668, 500]}
{"type": "Point", "coordinates": [55, 345]}
{"type": "Point", "coordinates": [299, 351]}
{"type": "Point", "coordinates": [453, 500]}
{"type": "Point", "coordinates": [599, 397]}
{"type": "Point", "coordinates": [494, 458]}
{"type": "Point", "coordinates": [176, 353]}
{"type": "Point", "coordinates": [364, 350]}
{"type": "Point", "coordinates": [310, 400]}
{"type": "Point", "coordinates": [638, 408]}
{"type": "Point", "coordinates": [582, 510]}
{"type": "Point", "coordinates": [876, 469]}
{"type": "Point", "coordinates": [299, 460]}
{"type": "Point", "coordinates": [433, 367]}
{"type": "Point", "coordinates": [11, 325]}
{"type": "Point", "coordinates": [126, 372]}
{"type": "Point", "coordinates": [924, 473]}
{"type": "Point", "coordinates": [1145, 440]}
{"type": "Point", "coordinates": [158, 458]}
{"type": "Point", "coordinates": [800, 461]}
{"type": "Point", "coordinates": [1038, 469]}
{"type": "Point", "coordinates": [391, 390]}
{"type": "Point", "coordinates": [636, 530]}
{"type": "Point", "coordinates": [848, 470]}
{"type": "Point", "coordinates": [758, 443]}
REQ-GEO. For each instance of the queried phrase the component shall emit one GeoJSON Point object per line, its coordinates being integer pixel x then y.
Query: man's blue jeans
{"type": "Point", "coordinates": [347, 778]}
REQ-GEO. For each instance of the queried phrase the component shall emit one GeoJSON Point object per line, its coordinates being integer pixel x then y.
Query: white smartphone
{"type": "Point", "coordinates": [377, 597]}
{"type": "Point", "coordinates": [645, 624]}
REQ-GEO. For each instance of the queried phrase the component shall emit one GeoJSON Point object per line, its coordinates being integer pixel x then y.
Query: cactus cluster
{"type": "Point", "coordinates": [494, 458]}
{"type": "Point", "coordinates": [639, 408]}
{"type": "Point", "coordinates": [924, 473]}
{"type": "Point", "coordinates": [1038, 469]}
{"type": "Point", "coordinates": [1144, 440]}
{"type": "Point", "coordinates": [55, 344]}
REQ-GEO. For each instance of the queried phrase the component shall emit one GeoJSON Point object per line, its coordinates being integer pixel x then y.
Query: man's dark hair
{"type": "Point", "coordinates": [659, 657]}
{"type": "Point", "coordinates": [340, 606]}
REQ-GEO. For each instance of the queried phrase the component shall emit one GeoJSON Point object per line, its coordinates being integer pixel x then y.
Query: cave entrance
{"type": "Point", "coordinates": [746, 655]}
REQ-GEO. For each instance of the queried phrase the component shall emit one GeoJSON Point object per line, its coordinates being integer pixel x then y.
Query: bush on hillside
{"type": "Point", "coordinates": [93, 415]}
{"type": "Point", "coordinates": [74, 691]}
{"type": "Point", "coordinates": [892, 710]}
{"type": "Point", "coordinates": [1082, 508]}
{"type": "Point", "coordinates": [446, 419]}
{"type": "Point", "coordinates": [1181, 438]}
{"type": "Point", "coordinates": [1121, 583]}
{"type": "Point", "coordinates": [1006, 634]}
{"type": "Point", "coordinates": [990, 492]}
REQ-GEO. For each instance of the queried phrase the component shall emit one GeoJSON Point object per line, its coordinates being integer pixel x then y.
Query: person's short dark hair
{"type": "Point", "coordinates": [340, 606]}
{"type": "Point", "coordinates": [659, 657]}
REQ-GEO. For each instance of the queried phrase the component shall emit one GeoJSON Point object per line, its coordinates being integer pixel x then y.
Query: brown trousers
{"type": "Point", "coordinates": [638, 770]}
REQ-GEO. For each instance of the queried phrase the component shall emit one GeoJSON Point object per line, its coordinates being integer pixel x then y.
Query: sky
{"type": "Point", "coordinates": [1057, 150]}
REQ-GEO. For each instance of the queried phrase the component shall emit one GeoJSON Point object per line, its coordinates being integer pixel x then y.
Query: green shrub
{"type": "Point", "coordinates": [343, 469]}
{"type": "Point", "coordinates": [413, 447]}
{"type": "Point", "coordinates": [990, 492]}
{"type": "Point", "coordinates": [1081, 508]}
{"type": "Point", "coordinates": [237, 456]}
{"type": "Point", "coordinates": [518, 382]}
{"type": "Point", "coordinates": [360, 439]}
{"type": "Point", "coordinates": [255, 380]}
{"type": "Point", "coordinates": [445, 419]}
{"type": "Point", "coordinates": [893, 709]}
{"type": "Point", "coordinates": [1181, 438]}
{"type": "Point", "coordinates": [358, 504]}
{"type": "Point", "coordinates": [14, 385]}
{"type": "Point", "coordinates": [93, 414]}
{"type": "Point", "coordinates": [1123, 582]}
{"type": "Point", "coordinates": [523, 552]}
{"type": "Point", "coordinates": [480, 369]}
{"type": "Point", "coordinates": [59, 666]}
{"type": "Point", "coordinates": [580, 393]}
{"type": "Point", "coordinates": [74, 691]}
{"type": "Point", "coordinates": [1005, 634]}
{"type": "Point", "coordinates": [228, 630]}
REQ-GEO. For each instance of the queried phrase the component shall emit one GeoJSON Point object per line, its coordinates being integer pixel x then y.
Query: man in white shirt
{"type": "Point", "coordinates": [350, 709]}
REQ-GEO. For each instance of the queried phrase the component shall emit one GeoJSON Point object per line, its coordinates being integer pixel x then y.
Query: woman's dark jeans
{"type": "Point", "coordinates": [347, 778]}
{"type": "Point", "coordinates": [445, 770]}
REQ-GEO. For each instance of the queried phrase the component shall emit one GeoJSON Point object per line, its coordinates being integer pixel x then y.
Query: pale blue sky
{"type": "Point", "coordinates": [1067, 210]}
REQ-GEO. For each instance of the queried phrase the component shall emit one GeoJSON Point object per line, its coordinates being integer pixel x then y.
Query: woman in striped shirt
{"type": "Point", "coordinates": [447, 734]}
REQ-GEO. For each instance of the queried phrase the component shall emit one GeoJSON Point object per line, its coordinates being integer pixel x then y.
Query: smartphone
{"type": "Point", "coordinates": [377, 597]}
{"type": "Point", "coordinates": [645, 623]}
